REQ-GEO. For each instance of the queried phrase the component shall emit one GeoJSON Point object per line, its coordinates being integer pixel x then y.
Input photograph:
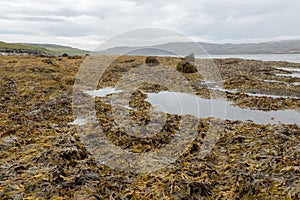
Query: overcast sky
{"type": "Point", "coordinates": [86, 23]}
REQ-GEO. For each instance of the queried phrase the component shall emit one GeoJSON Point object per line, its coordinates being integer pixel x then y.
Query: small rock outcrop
{"type": "Point", "coordinates": [190, 58]}
{"type": "Point", "coordinates": [74, 57]}
{"type": "Point", "coordinates": [186, 67]}
{"type": "Point", "coordinates": [64, 55]}
{"type": "Point", "coordinates": [22, 52]}
{"type": "Point", "coordinates": [152, 61]}
{"type": "Point", "coordinates": [48, 61]}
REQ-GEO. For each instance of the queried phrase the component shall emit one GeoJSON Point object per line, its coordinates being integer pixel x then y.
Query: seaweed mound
{"type": "Point", "coordinates": [152, 61]}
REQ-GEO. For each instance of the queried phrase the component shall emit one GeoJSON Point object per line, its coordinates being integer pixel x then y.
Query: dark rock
{"type": "Point", "coordinates": [64, 55]}
{"type": "Point", "coordinates": [152, 61]}
{"type": "Point", "coordinates": [186, 67]}
{"type": "Point", "coordinates": [130, 60]}
{"type": "Point", "coordinates": [52, 56]}
{"type": "Point", "coordinates": [48, 61]}
{"type": "Point", "coordinates": [74, 57]}
{"type": "Point", "coordinates": [23, 52]}
{"type": "Point", "coordinates": [190, 58]}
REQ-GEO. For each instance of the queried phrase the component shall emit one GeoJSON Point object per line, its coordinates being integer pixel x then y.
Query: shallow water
{"type": "Point", "coordinates": [234, 91]}
{"type": "Point", "coordinates": [223, 90]}
{"type": "Point", "coordinates": [289, 69]}
{"type": "Point", "coordinates": [264, 57]}
{"type": "Point", "coordinates": [295, 72]}
{"type": "Point", "coordinates": [294, 75]}
{"type": "Point", "coordinates": [281, 82]}
{"type": "Point", "coordinates": [296, 84]}
{"type": "Point", "coordinates": [79, 122]}
{"type": "Point", "coordinates": [272, 96]}
{"type": "Point", "coordinates": [182, 104]}
{"type": "Point", "coordinates": [103, 92]}
{"type": "Point", "coordinates": [273, 81]}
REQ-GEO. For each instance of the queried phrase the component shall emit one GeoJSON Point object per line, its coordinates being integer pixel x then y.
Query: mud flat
{"type": "Point", "coordinates": [43, 154]}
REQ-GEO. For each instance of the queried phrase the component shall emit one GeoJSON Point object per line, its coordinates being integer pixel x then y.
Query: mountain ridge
{"type": "Point", "coordinates": [200, 48]}
{"type": "Point", "coordinates": [175, 48]}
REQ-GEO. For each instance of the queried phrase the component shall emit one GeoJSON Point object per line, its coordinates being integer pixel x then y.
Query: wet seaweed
{"type": "Point", "coordinates": [42, 155]}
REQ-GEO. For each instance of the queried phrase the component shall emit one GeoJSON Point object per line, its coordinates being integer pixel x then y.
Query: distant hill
{"type": "Point", "coordinates": [39, 49]}
{"type": "Point", "coordinates": [177, 48]}
{"type": "Point", "coordinates": [184, 48]}
{"type": "Point", "coordinates": [22, 48]}
{"type": "Point", "coordinates": [59, 49]}
{"type": "Point", "coordinates": [279, 47]}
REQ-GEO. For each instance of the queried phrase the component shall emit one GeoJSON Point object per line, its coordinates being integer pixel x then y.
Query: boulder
{"type": "Point", "coordinates": [186, 67]}
{"type": "Point", "coordinates": [48, 61]}
{"type": "Point", "coordinates": [64, 55]}
{"type": "Point", "coordinates": [152, 61]}
{"type": "Point", "coordinates": [190, 58]}
{"type": "Point", "coordinates": [74, 57]}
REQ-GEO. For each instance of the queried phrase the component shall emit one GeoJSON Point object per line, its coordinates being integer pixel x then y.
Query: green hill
{"type": "Point", "coordinates": [16, 46]}
{"type": "Point", "coordinates": [59, 49]}
{"type": "Point", "coordinates": [42, 48]}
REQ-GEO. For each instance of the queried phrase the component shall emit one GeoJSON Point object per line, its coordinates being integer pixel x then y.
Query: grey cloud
{"type": "Point", "coordinates": [40, 19]}
{"type": "Point", "coordinates": [214, 20]}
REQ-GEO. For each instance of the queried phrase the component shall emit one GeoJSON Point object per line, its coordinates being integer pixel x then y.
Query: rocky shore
{"type": "Point", "coordinates": [22, 52]}
{"type": "Point", "coordinates": [42, 155]}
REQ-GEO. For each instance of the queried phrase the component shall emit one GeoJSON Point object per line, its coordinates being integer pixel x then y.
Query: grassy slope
{"type": "Point", "coordinates": [59, 49]}
{"type": "Point", "coordinates": [4, 45]}
{"type": "Point", "coordinates": [46, 48]}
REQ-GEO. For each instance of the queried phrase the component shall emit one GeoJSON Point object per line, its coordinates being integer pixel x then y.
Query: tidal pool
{"type": "Point", "coordinates": [296, 84]}
{"type": "Point", "coordinates": [79, 122]}
{"type": "Point", "coordinates": [281, 82]}
{"type": "Point", "coordinates": [182, 104]}
{"type": "Point", "coordinates": [289, 69]}
{"type": "Point", "coordinates": [103, 92]}
{"type": "Point", "coordinates": [273, 81]}
{"type": "Point", "coordinates": [295, 72]}
{"type": "Point", "coordinates": [272, 96]}
{"type": "Point", "coordinates": [294, 75]}
{"type": "Point", "coordinates": [234, 91]}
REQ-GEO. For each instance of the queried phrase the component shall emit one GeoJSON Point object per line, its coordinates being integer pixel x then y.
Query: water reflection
{"type": "Point", "coordinates": [103, 92]}
{"type": "Point", "coordinates": [182, 104]}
